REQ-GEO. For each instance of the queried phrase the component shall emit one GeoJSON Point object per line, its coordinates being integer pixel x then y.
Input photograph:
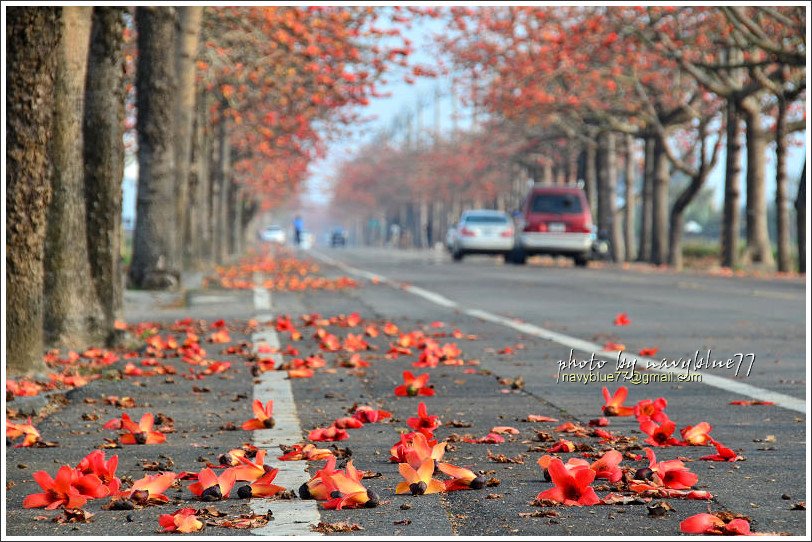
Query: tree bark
{"type": "Point", "coordinates": [200, 187]}
{"type": "Point", "coordinates": [659, 204]}
{"type": "Point", "coordinates": [32, 37]}
{"type": "Point", "coordinates": [677, 221]}
{"type": "Point", "coordinates": [644, 251]}
{"type": "Point", "coordinates": [781, 196]}
{"type": "Point", "coordinates": [759, 249]}
{"type": "Point", "coordinates": [731, 218]}
{"type": "Point", "coordinates": [154, 263]}
{"type": "Point", "coordinates": [591, 175]}
{"type": "Point", "coordinates": [223, 190]}
{"type": "Point", "coordinates": [186, 40]}
{"type": "Point", "coordinates": [607, 189]}
{"type": "Point", "coordinates": [103, 132]}
{"type": "Point", "coordinates": [72, 317]}
{"type": "Point", "coordinates": [800, 221]}
{"type": "Point", "coordinates": [631, 203]}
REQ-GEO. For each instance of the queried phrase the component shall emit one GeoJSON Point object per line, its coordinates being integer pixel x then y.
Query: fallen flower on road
{"type": "Point", "coordinates": [182, 521]}
{"type": "Point", "coordinates": [141, 433]}
{"type": "Point", "coordinates": [247, 470]}
{"type": "Point", "coordinates": [210, 487]}
{"type": "Point", "coordinates": [95, 463]}
{"type": "Point", "coordinates": [672, 474]}
{"type": "Point", "coordinates": [613, 405]}
{"type": "Point", "coordinates": [613, 347]}
{"type": "Point", "coordinates": [329, 434]}
{"type": "Point", "coordinates": [659, 434]}
{"type": "Point", "coordinates": [423, 422]}
{"type": "Point", "coordinates": [414, 385]}
{"type": "Point", "coordinates": [649, 352]}
{"type": "Point", "coordinates": [263, 416]}
{"type": "Point", "coordinates": [752, 402]}
{"type": "Point", "coordinates": [653, 409]}
{"type": "Point", "coordinates": [348, 423]}
{"type": "Point", "coordinates": [26, 430]}
{"type": "Point", "coordinates": [607, 466]}
{"type": "Point", "coordinates": [308, 452]}
{"type": "Point", "coordinates": [150, 489]}
{"type": "Point", "coordinates": [368, 414]}
{"type": "Point", "coordinates": [461, 478]}
{"type": "Point", "coordinates": [70, 489]}
{"type": "Point", "coordinates": [262, 487]}
{"type": "Point", "coordinates": [419, 481]}
{"type": "Point", "coordinates": [539, 418]}
{"type": "Point", "coordinates": [490, 438]}
{"type": "Point", "coordinates": [711, 524]}
{"type": "Point", "coordinates": [505, 430]}
{"type": "Point", "coordinates": [697, 435]}
{"type": "Point", "coordinates": [414, 448]}
{"type": "Point", "coordinates": [562, 445]}
{"type": "Point", "coordinates": [571, 488]}
{"type": "Point", "coordinates": [352, 493]}
{"type": "Point", "coordinates": [622, 319]}
{"type": "Point", "coordinates": [316, 488]}
{"type": "Point", "coordinates": [723, 453]}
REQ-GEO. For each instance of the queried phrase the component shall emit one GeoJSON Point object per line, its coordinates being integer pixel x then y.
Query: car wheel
{"type": "Point", "coordinates": [581, 261]}
{"type": "Point", "coordinates": [518, 256]}
{"type": "Point", "coordinates": [457, 255]}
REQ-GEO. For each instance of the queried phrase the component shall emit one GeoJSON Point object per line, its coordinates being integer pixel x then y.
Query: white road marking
{"type": "Point", "coordinates": [291, 517]}
{"type": "Point", "coordinates": [732, 386]}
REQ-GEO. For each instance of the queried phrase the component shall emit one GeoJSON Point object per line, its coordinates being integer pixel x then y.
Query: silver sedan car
{"type": "Point", "coordinates": [481, 231]}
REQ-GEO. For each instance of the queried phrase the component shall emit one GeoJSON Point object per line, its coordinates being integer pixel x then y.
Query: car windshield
{"type": "Point", "coordinates": [556, 203]}
{"type": "Point", "coordinates": [486, 219]}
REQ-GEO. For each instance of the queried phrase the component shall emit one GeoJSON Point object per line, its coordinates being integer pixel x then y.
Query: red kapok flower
{"type": "Point", "coordinates": [423, 421]}
{"type": "Point", "coordinates": [348, 423]}
{"type": "Point", "coordinates": [368, 414]}
{"type": "Point", "coordinates": [614, 404]}
{"type": "Point", "coordinates": [26, 430]}
{"type": "Point", "coordinates": [571, 488]}
{"type": "Point", "coordinates": [141, 433]}
{"type": "Point", "coordinates": [419, 481]}
{"type": "Point", "coordinates": [247, 470]}
{"type": "Point", "coordinates": [461, 478]}
{"type": "Point", "coordinates": [658, 434]}
{"type": "Point", "coordinates": [150, 489]}
{"type": "Point", "coordinates": [95, 463]}
{"type": "Point", "coordinates": [70, 489]}
{"type": "Point", "coordinates": [413, 386]}
{"type": "Point", "coordinates": [210, 487]}
{"type": "Point", "coordinates": [723, 453]}
{"type": "Point", "coordinates": [697, 435]}
{"type": "Point", "coordinates": [653, 409]}
{"type": "Point", "coordinates": [262, 487]}
{"type": "Point", "coordinates": [182, 521]}
{"type": "Point", "coordinates": [332, 433]}
{"type": "Point", "coordinates": [263, 416]}
{"type": "Point", "coordinates": [622, 319]}
{"type": "Point", "coordinates": [711, 524]}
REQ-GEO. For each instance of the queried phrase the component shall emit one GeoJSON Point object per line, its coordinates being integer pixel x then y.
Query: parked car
{"type": "Point", "coordinates": [273, 234]}
{"type": "Point", "coordinates": [481, 231]}
{"type": "Point", "coordinates": [338, 237]}
{"type": "Point", "coordinates": [555, 220]}
{"type": "Point", "coordinates": [307, 240]}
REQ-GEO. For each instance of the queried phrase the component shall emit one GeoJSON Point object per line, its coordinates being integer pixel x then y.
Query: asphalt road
{"type": "Point", "coordinates": [679, 314]}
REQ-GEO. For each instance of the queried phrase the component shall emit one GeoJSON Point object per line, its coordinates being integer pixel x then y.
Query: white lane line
{"type": "Point", "coordinates": [732, 386]}
{"type": "Point", "coordinates": [291, 517]}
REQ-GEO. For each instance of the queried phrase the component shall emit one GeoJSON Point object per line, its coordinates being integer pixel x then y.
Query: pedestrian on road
{"type": "Point", "coordinates": [298, 228]}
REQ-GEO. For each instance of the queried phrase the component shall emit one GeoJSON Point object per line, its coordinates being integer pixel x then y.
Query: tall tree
{"type": "Point", "coordinates": [73, 316]}
{"type": "Point", "coordinates": [154, 244]}
{"type": "Point", "coordinates": [800, 221]}
{"type": "Point", "coordinates": [31, 54]}
{"type": "Point", "coordinates": [631, 201]}
{"type": "Point", "coordinates": [104, 157]}
{"type": "Point", "coordinates": [186, 40]}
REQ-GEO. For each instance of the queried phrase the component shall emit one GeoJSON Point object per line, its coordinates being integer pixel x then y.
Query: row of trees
{"type": "Point", "coordinates": [228, 106]}
{"type": "Point", "coordinates": [606, 94]}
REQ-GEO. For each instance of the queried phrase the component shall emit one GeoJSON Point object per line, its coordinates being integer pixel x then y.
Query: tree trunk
{"type": "Point", "coordinates": [731, 218]}
{"type": "Point", "coordinates": [73, 317]}
{"type": "Point", "coordinates": [572, 163]}
{"type": "Point", "coordinates": [591, 175]}
{"type": "Point", "coordinates": [422, 239]}
{"type": "Point", "coordinates": [659, 214]}
{"type": "Point", "coordinates": [676, 222]}
{"type": "Point", "coordinates": [154, 243]}
{"type": "Point", "coordinates": [781, 196]}
{"type": "Point", "coordinates": [800, 221]}
{"type": "Point", "coordinates": [186, 40]}
{"type": "Point", "coordinates": [759, 249]}
{"type": "Point", "coordinates": [646, 219]}
{"type": "Point", "coordinates": [224, 189]}
{"type": "Point", "coordinates": [631, 203]}
{"type": "Point", "coordinates": [607, 188]}
{"type": "Point", "coordinates": [103, 132]}
{"type": "Point", "coordinates": [32, 37]}
{"type": "Point", "coordinates": [236, 219]}
{"type": "Point", "coordinates": [200, 194]}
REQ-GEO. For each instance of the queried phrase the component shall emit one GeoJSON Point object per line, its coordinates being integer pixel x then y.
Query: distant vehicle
{"type": "Point", "coordinates": [273, 234]}
{"type": "Point", "coordinates": [555, 220]}
{"type": "Point", "coordinates": [692, 226]}
{"type": "Point", "coordinates": [481, 231]}
{"type": "Point", "coordinates": [338, 237]}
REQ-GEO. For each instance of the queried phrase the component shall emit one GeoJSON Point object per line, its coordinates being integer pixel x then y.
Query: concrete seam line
{"type": "Point", "coordinates": [782, 400]}
{"type": "Point", "coordinates": [291, 517]}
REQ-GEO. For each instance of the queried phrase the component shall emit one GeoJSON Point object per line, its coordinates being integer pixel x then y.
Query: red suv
{"type": "Point", "coordinates": [555, 220]}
